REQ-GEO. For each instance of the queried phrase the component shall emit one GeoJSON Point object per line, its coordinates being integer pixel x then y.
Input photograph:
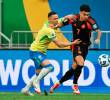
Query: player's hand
{"type": "Point", "coordinates": [97, 41]}
{"type": "Point", "coordinates": [77, 41]}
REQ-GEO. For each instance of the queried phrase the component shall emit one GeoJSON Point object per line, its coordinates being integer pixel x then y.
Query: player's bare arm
{"type": "Point", "coordinates": [65, 44]}
{"type": "Point", "coordinates": [97, 41]}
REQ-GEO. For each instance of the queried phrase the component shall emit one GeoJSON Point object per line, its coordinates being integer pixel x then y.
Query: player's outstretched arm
{"type": "Point", "coordinates": [97, 41]}
{"type": "Point", "coordinates": [65, 44]}
{"type": "Point", "coordinates": [70, 17]}
{"type": "Point", "coordinates": [65, 21]}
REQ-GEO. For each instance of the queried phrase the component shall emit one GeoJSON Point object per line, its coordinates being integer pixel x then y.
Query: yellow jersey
{"type": "Point", "coordinates": [45, 36]}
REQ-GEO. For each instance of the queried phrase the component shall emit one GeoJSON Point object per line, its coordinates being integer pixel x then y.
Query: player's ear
{"type": "Point", "coordinates": [49, 18]}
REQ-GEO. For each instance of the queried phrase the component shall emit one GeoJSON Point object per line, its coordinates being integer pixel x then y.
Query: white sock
{"type": "Point", "coordinates": [29, 85]}
{"type": "Point", "coordinates": [43, 73]}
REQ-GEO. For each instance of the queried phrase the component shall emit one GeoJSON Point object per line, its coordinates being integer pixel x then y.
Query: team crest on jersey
{"type": "Point", "coordinates": [53, 35]}
{"type": "Point", "coordinates": [83, 26]}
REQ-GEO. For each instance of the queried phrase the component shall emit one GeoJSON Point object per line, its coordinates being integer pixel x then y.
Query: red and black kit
{"type": "Point", "coordinates": [81, 30]}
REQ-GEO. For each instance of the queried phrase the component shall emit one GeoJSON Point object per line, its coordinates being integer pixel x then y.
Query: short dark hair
{"type": "Point", "coordinates": [51, 13]}
{"type": "Point", "coordinates": [85, 7]}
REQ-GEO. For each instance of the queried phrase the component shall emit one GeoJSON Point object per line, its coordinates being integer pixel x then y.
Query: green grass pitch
{"type": "Point", "coordinates": [54, 96]}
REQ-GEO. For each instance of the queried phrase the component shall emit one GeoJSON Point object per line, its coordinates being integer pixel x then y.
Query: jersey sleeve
{"type": "Point", "coordinates": [69, 19]}
{"type": "Point", "coordinates": [93, 23]}
{"type": "Point", "coordinates": [65, 21]}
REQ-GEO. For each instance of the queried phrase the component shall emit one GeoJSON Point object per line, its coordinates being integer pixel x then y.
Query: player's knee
{"type": "Point", "coordinates": [74, 65]}
{"type": "Point", "coordinates": [80, 63]}
{"type": "Point", "coordinates": [49, 66]}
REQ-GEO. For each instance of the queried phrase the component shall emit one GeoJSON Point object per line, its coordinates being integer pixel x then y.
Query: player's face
{"type": "Point", "coordinates": [84, 15]}
{"type": "Point", "coordinates": [54, 19]}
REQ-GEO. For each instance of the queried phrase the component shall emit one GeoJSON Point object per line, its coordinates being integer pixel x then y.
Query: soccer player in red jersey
{"type": "Point", "coordinates": [82, 26]}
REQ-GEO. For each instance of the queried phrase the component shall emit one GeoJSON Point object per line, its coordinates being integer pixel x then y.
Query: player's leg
{"type": "Point", "coordinates": [37, 85]}
{"type": "Point", "coordinates": [78, 60]}
{"type": "Point", "coordinates": [79, 54]}
{"type": "Point", "coordinates": [33, 56]}
{"type": "Point", "coordinates": [77, 71]}
{"type": "Point", "coordinates": [38, 58]}
{"type": "Point", "coordinates": [46, 68]}
{"type": "Point", "coordinates": [64, 78]}
{"type": "Point", "coordinates": [30, 83]}
{"type": "Point", "coordinates": [68, 74]}
{"type": "Point", "coordinates": [25, 90]}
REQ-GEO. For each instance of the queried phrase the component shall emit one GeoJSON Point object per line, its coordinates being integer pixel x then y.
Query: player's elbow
{"type": "Point", "coordinates": [59, 45]}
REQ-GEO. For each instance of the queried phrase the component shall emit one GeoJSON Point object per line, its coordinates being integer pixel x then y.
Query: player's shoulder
{"type": "Point", "coordinates": [76, 15]}
{"type": "Point", "coordinates": [91, 20]}
{"type": "Point", "coordinates": [48, 30]}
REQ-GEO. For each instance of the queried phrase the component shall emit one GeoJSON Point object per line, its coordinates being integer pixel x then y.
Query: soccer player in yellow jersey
{"type": "Point", "coordinates": [38, 52]}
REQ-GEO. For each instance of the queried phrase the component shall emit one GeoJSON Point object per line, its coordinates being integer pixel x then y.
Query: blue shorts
{"type": "Point", "coordinates": [38, 58]}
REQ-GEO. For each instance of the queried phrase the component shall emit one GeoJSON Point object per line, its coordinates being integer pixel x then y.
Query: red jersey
{"type": "Point", "coordinates": [82, 29]}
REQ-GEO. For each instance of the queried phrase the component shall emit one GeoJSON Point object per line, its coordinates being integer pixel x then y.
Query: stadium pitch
{"type": "Point", "coordinates": [54, 96]}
